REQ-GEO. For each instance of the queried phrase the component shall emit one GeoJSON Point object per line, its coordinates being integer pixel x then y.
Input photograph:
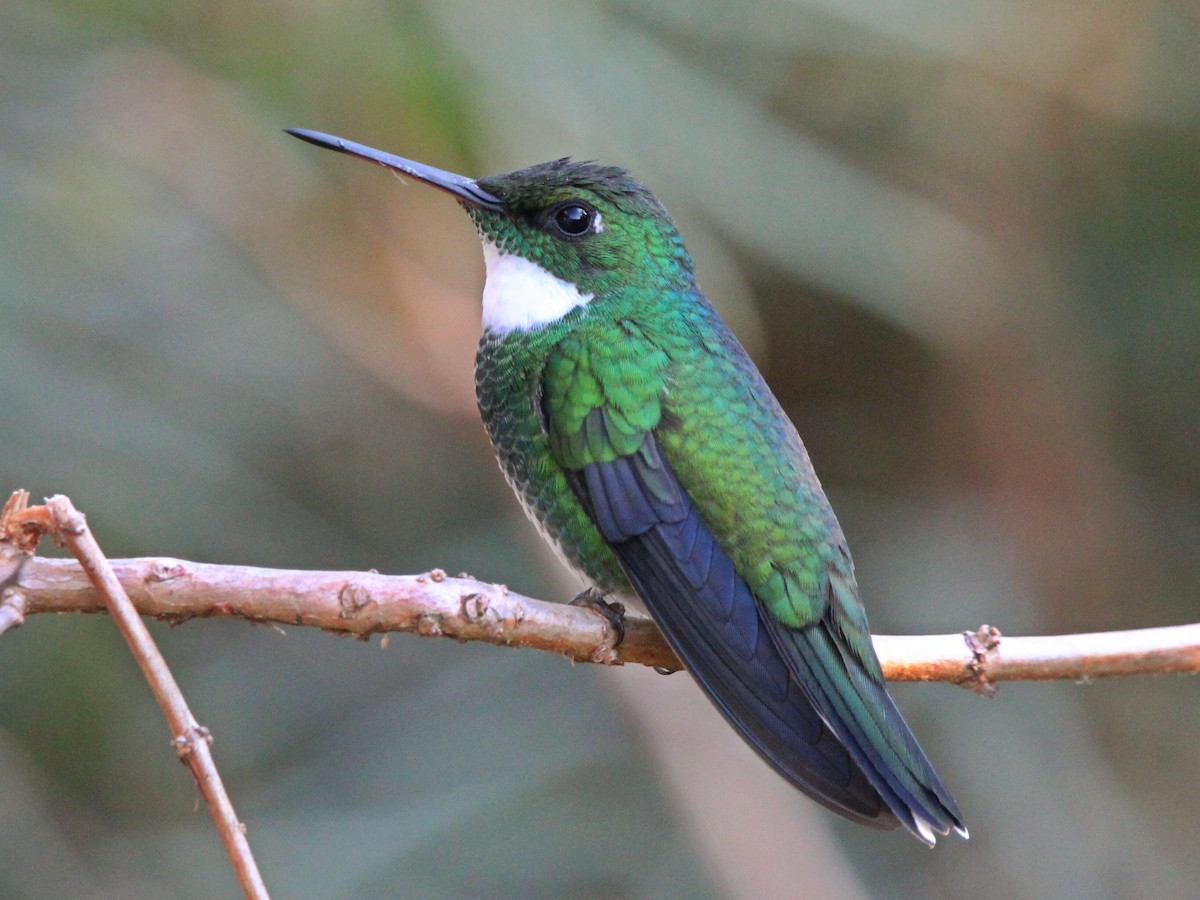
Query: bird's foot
{"type": "Point", "coordinates": [610, 610]}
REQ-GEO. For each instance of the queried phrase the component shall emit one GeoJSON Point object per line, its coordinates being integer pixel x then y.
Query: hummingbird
{"type": "Point", "coordinates": [646, 447]}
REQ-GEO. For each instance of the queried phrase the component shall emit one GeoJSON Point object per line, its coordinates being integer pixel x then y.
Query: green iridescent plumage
{"type": "Point", "coordinates": [508, 388]}
{"type": "Point", "coordinates": [645, 445]}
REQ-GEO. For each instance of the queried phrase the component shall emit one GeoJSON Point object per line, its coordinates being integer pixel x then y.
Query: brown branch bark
{"type": "Point", "coordinates": [462, 608]}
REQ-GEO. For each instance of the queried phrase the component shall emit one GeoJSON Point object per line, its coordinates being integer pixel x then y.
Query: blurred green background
{"type": "Point", "coordinates": [961, 239]}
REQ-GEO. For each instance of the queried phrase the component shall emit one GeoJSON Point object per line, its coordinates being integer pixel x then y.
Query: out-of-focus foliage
{"type": "Point", "coordinates": [963, 240]}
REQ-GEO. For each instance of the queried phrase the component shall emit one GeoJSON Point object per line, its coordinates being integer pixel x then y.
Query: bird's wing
{"type": "Point", "coordinates": [789, 664]}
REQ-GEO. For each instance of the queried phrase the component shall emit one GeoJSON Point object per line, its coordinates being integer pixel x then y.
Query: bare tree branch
{"type": "Point", "coordinates": [357, 603]}
{"type": "Point", "coordinates": [191, 740]}
{"type": "Point", "coordinates": [462, 608]}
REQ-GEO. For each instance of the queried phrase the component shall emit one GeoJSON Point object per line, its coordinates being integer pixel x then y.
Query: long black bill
{"type": "Point", "coordinates": [460, 186]}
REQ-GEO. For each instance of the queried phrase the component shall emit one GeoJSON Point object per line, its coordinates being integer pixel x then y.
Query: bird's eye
{"type": "Point", "coordinates": [574, 219]}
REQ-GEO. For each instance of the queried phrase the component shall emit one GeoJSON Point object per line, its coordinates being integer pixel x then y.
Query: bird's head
{"type": "Point", "coordinates": [586, 227]}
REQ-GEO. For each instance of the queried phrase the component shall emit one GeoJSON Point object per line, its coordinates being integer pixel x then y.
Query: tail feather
{"type": "Point", "coordinates": [780, 724]}
{"type": "Point", "coordinates": [861, 713]}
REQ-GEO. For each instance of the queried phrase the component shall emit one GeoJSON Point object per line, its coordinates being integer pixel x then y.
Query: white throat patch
{"type": "Point", "coordinates": [519, 294]}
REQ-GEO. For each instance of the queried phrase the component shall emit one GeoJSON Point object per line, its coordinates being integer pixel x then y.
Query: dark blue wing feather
{"type": "Point", "coordinates": [711, 619]}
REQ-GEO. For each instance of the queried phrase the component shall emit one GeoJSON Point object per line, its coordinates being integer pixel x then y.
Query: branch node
{"type": "Point", "coordinates": [604, 655]}
{"type": "Point", "coordinates": [984, 644]}
{"type": "Point", "coordinates": [353, 599]}
{"type": "Point", "coordinates": [166, 570]}
{"type": "Point", "coordinates": [474, 606]}
{"type": "Point", "coordinates": [429, 625]}
{"type": "Point", "coordinates": [67, 520]}
{"type": "Point", "coordinates": [185, 744]}
{"type": "Point", "coordinates": [22, 525]}
{"type": "Point", "coordinates": [434, 575]}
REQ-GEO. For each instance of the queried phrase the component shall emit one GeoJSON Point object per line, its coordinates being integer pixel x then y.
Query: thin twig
{"type": "Point", "coordinates": [12, 610]}
{"type": "Point", "coordinates": [462, 608]}
{"type": "Point", "coordinates": [12, 563]}
{"type": "Point", "coordinates": [191, 740]}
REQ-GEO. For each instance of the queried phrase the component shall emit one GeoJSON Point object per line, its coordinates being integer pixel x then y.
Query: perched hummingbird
{"type": "Point", "coordinates": [650, 453]}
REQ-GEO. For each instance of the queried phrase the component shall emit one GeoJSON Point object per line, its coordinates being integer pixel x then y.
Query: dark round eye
{"type": "Point", "coordinates": [574, 219]}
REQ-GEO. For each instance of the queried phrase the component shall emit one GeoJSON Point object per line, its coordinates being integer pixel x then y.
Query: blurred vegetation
{"type": "Point", "coordinates": [962, 239]}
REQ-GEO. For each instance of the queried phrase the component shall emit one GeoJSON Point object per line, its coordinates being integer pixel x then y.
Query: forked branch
{"type": "Point", "coordinates": [21, 527]}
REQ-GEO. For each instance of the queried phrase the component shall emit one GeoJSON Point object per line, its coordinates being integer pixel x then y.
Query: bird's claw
{"type": "Point", "coordinates": [610, 610]}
